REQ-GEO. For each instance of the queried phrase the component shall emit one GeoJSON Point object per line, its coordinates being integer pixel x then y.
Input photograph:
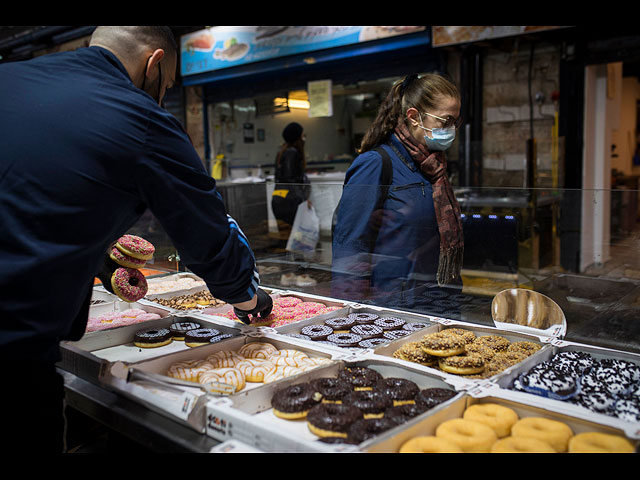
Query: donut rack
{"type": "Point", "coordinates": [224, 415]}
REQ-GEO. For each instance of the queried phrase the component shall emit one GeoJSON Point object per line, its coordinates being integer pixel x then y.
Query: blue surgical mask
{"type": "Point", "coordinates": [441, 138]}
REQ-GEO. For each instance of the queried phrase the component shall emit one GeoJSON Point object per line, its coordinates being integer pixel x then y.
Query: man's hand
{"type": "Point", "coordinates": [262, 309]}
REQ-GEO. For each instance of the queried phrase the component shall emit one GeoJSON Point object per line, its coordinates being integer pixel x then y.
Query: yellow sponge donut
{"type": "Point", "coordinates": [521, 445]}
{"type": "Point", "coordinates": [555, 433]}
{"type": "Point", "coordinates": [498, 417]}
{"type": "Point", "coordinates": [429, 444]}
{"type": "Point", "coordinates": [470, 436]}
{"type": "Point", "coordinates": [595, 442]}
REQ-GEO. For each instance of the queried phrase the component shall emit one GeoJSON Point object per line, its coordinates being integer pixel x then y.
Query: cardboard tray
{"type": "Point", "coordinates": [250, 418]}
{"type": "Point", "coordinates": [501, 386]}
{"type": "Point", "coordinates": [457, 381]}
{"type": "Point", "coordinates": [390, 442]}
{"type": "Point", "coordinates": [146, 382]}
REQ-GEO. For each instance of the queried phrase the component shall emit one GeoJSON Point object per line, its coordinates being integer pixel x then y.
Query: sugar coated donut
{"type": "Point", "coordinates": [230, 376]}
{"type": "Point", "coordinates": [498, 417]}
{"type": "Point", "coordinates": [129, 284]}
{"type": "Point", "coordinates": [554, 432]}
{"type": "Point", "coordinates": [470, 436]}
{"type": "Point", "coordinates": [440, 344]}
{"type": "Point", "coordinates": [136, 247]}
{"type": "Point", "coordinates": [152, 338]}
{"type": "Point", "coordinates": [125, 260]}
{"type": "Point", "coordinates": [521, 445]}
{"type": "Point", "coordinates": [596, 442]}
{"type": "Point", "coordinates": [332, 419]}
{"type": "Point", "coordinates": [294, 401]}
{"type": "Point", "coordinates": [462, 364]}
{"type": "Point", "coordinates": [429, 444]}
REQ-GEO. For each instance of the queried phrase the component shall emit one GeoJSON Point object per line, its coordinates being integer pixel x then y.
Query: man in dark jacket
{"type": "Point", "coordinates": [86, 150]}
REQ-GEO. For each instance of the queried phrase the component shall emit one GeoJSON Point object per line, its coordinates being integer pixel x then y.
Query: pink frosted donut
{"type": "Point", "coordinates": [125, 260]}
{"type": "Point", "coordinates": [311, 307]}
{"type": "Point", "coordinates": [136, 247]}
{"type": "Point", "coordinates": [287, 301]}
{"type": "Point", "coordinates": [129, 284]}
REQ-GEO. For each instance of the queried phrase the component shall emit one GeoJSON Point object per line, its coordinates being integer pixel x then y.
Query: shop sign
{"type": "Point", "coordinates": [221, 47]}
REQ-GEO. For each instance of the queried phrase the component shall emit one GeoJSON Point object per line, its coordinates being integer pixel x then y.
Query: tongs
{"type": "Point", "coordinates": [210, 388]}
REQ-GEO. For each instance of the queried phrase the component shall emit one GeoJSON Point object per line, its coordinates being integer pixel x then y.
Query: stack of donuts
{"type": "Point", "coordinates": [495, 428]}
{"type": "Point", "coordinates": [355, 405]}
{"type": "Point", "coordinates": [359, 330]}
{"type": "Point", "coordinates": [254, 362]}
{"type": "Point", "coordinates": [461, 352]}
{"type": "Point", "coordinates": [130, 253]}
{"type": "Point", "coordinates": [286, 309]}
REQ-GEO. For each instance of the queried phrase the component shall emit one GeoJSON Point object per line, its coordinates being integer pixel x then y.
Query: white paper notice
{"type": "Point", "coordinates": [320, 98]}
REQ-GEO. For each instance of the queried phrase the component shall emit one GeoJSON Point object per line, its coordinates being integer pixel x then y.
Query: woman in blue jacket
{"type": "Point", "coordinates": [398, 223]}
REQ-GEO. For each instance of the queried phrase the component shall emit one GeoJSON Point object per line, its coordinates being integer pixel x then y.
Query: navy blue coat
{"type": "Point", "coordinates": [84, 154]}
{"type": "Point", "coordinates": [386, 266]}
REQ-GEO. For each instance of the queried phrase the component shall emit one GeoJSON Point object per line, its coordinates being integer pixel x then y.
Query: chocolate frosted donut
{"type": "Point", "coordinates": [392, 335]}
{"type": "Point", "coordinates": [363, 318]}
{"type": "Point", "coordinates": [403, 413]}
{"type": "Point", "coordinates": [360, 377]}
{"type": "Point", "coordinates": [199, 336]}
{"type": "Point", "coordinates": [219, 338]}
{"type": "Point", "coordinates": [400, 390]}
{"type": "Point", "coordinates": [294, 401]}
{"type": "Point", "coordinates": [332, 389]}
{"type": "Point", "coordinates": [332, 419]}
{"type": "Point", "coordinates": [430, 397]}
{"type": "Point", "coordinates": [413, 326]}
{"type": "Point", "coordinates": [370, 402]}
{"type": "Point", "coordinates": [389, 323]}
{"type": "Point", "coordinates": [344, 339]}
{"type": "Point", "coordinates": [152, 337]}
{"type": "Point", "coordinates": [340, 324]}
{"type": "Point", "coordinates": [367, 428]}
{"type": "Point", "coordinates": [367, 331]}
{"type": "Point", "coordinates": [317, 332]}
{"type": "Point", "coordinates": [178, 329]}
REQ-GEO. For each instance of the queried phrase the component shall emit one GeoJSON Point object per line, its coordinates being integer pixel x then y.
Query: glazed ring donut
{"type": "Point", "coordinates": [498, 417]}
{"type": "Point", "coordinates": [470, 436]}
{"type": "Point", "coordinates": [596, 442]}
{"type": "Point", "coordinates": [294, 401]}
{"type": "Point", "coordinates": [521, 445]}
{"type": "Point", "coordinates": [257, 350]}
{"type": "Point", "coordinates": [224, 358]}
{"type": "Point", "coordinates": [229, 376]}
{"type": "Point", "coordinates": [189, 370]}
{"type": "Point", "coordinates": [443, 345]}
{"type": "Point", "coordinates": [129, 284]}
{"type": "Point", "coordinates": [125, 260]}
{"type": "Point", "coordinates": [429, 444]}
{"type": "Point", "coordinates": [254, 369]}
{"type": "Point", "coordinates": [136, 247]}
{"type": "Point", "coordinates": [462, 364]}
{"type": "Point", "coordinates": [555, 433]}
{"type": "Point", "coordinates": [468, 335]}
{"type": "Point", "coordinates": [152, 338]}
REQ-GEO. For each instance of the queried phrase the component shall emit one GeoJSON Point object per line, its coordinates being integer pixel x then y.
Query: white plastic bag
{"type": "Point", "coordinates": [305, 230]}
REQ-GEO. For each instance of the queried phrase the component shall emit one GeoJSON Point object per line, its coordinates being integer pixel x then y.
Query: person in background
{"type": "Point", "coordinates": [398, 224]}
{"type": "Point", "coordinates": [86, 150]}
{"type": "Point", "coordinates": [291, 189]}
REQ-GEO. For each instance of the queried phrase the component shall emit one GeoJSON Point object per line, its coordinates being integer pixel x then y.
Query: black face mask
{"type": "Point", "coordinates": [144, 79]}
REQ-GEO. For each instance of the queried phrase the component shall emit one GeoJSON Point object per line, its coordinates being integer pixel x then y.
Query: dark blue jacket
{"type": "Point", "coordinates": [84, 153]}
{"type": "Point", "coordinates": [385, 266]}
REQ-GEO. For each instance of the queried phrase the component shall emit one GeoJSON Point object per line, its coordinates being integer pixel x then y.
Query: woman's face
{"type": "Point", "coordinates": [448, 108]}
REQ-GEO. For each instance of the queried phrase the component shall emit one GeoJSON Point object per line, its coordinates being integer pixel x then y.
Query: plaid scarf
{"type": "Point", "coordinates": [434, 167]}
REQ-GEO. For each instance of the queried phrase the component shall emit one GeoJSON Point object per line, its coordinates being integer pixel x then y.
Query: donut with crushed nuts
{"type": "Point", "coordinates": [440, 344]}
{"type": "Point", "coordinates": [462, 364]}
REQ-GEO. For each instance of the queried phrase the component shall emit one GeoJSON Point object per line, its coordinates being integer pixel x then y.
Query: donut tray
{"type": "Point", "coordinates": [458, 381]}
{"type": "Point", "coordinates": [95, 351]}
{"type": "Point", "coordinates": [252, 421]}
{"type": "Point", "coordinates": [391, 441]}
{"type": "Point", "coordinates": [501, 386]}
{"type": "Point", "coordinates": [146, 382]}
{"type": "Point", "coordinates": [295, 328]}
